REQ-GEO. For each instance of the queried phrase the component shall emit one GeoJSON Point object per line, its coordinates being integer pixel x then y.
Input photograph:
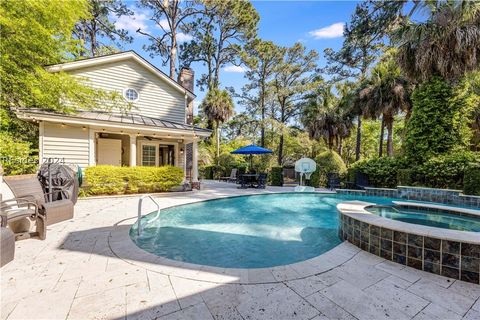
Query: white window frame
{"type": "Point", "coordinates": [125, 94]}
{"type": "Point", "coordinates": [157, 144]}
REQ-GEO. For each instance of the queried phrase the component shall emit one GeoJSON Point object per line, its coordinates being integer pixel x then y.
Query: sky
{"type": "Point", "coordinates": [316, 24]}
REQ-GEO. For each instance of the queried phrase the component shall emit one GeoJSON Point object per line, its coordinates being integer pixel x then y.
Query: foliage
{"type": "Point", "coordinates": [121, 180]}
{"type": "Point", "coordinates": [435, 126]}
{"type": "Point", "coordinates": [327, 162]}
{"type": "Point", "coordinates": [293, 76]}
{"type": "Point", "coordinates": [218, 108]}
{"type": "Point", "coordinates": [471, 181]}
{"type": "Point", "coordinates": [447, 44]}
{"type": "Point", "coordinates": [16, 155]}
{"type": "Point", "coordinates": [447, 170]}
{"type": "Point", "coordinates": [276, 176]}
{"type": "Point", "coordinates": [219, 33]}
{"type": "Point", "coordinates": [381, 172]}
{"type": "Point", "coordinates": [227, 162]}
{"type": "Point", "coordinates": [170, 17]}
{"type": "Point", "coordinates": [100, 26]}
{"type": "Point", "coordinates": [35, 34]}
{"type": "Point", "coordinates": [405, 177]}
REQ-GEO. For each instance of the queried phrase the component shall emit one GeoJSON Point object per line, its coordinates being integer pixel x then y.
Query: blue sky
{"type": "Point", "coordinates": [317, 24]}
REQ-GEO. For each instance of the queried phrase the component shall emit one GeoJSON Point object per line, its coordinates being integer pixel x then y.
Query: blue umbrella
{"type": "Point", "coordinates": [251, 149]}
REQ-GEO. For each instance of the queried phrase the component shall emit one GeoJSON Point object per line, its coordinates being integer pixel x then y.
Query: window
{"type": "Point", "coordinates": [149, 155]}
{"type": "Point", "coordinates": [131, 95]}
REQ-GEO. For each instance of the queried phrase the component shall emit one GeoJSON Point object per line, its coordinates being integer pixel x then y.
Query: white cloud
{"type": "Point", "coordinates": [236, 69]}
{"type": "Point", "coordinates": [164, 24]}
{"type": "Point", "coordinates": [182, 37]}
{"type": "Point", "coordinates": [134, 22]}
{"type": "Point", "coordinates": [332, 31]}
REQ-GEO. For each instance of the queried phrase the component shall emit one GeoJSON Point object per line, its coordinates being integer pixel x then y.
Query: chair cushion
{"type": "Point", "coordinates": [26, 185]}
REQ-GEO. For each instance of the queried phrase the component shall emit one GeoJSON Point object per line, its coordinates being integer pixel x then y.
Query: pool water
{"type": "Point", "coordinates": [437, 219]}
{"type": "Point", "coordinates": [248, 231]}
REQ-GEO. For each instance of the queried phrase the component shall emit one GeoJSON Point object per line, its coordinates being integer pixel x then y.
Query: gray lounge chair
{"type": "Point", "coordinates": [28, 186]}
{"type": "Point", "coordinates": [7, 246]}
{"type": "Point", "coordinates": [16, 209]}
{"type": "Point", "coordinates": [232, 177]}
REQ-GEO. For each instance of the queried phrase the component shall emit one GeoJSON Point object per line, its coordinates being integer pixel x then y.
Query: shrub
{"type": "Point", "coordinates": [471, 181]}
{"type": "Point", "coordinates": [405, 177]}
{"type": "Point", "coordinates": [276, 176]}
{"type": "Point", "coordinates": [446, 171]}
{"type": "Point", "coordinates": [120, 180]}
{"type": "Point", "coordinates": [206, 172]}
{"type": "Point", "coordinates": [227, 162]}
{"type": "Point", "coordinates": [381, 172]}
{"type": "Point", "coordinates": [327, 161]}
{"type": "Point", "coordinates": [15, 156]}
{"type": "Point", "coordinates": [436, 124]}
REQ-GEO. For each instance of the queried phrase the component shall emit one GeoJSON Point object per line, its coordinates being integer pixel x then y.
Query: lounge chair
{"type": "Point", "coordinates": [28, 186]}
{"type": "Point", "coordinates": [261, 181]}
{"type": "Point", "coordinates": [7, 246]}
{"type": "Point", "coordinates": [231, 178]}
{"type": "Point", "coordinates": [16, 209]}
{"type": "Point", "coordinates": [333, 180]}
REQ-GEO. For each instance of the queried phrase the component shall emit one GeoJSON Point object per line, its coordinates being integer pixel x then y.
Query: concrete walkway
{"type": "Point", "coordinates": [84, 271]}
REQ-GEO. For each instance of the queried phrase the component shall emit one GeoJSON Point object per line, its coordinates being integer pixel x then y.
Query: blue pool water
{"type": "Point", "coordinates": [246, 232]}
{"type": "Point", "coordinates": [438, 219]}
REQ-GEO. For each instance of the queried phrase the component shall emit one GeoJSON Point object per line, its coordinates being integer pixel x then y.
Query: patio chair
{"type": "Point", "coordinates": [333, 180]}
{"type": "Point", "coordinates": [231, 178]}
{"type": "Point", "coordinates": [16, 209]}
{"type": "Point", "coordinates": [28, 186]}
{"type": "Point", "coordinates": [7, 246]}
{"type": "Point", "coordinates": [261, 181]}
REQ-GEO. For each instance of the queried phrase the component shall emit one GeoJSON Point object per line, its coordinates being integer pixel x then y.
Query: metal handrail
{"type": "Point", "coordinates": [140, 211]}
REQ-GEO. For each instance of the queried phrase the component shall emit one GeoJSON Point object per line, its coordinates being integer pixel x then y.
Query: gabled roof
{"type": "Point", "coordinates": [114, 57]}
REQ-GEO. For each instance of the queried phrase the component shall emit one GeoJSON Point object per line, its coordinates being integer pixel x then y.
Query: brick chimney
{"type": "Point", "coordinates": [186, 78]}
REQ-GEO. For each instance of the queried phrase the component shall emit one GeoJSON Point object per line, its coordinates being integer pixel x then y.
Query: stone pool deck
{"type": "Point", "coordinates": [86, 270]}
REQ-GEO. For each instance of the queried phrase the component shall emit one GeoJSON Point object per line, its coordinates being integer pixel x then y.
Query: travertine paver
{"type": "Point", "coordinates": [74, 274]}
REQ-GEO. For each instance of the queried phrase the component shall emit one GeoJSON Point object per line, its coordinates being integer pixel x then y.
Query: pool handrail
{"type": "Point", "coordinates": [139, 225]}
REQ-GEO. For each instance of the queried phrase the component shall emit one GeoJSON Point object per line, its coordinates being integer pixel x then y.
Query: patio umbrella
{"type": "Point", "coordinates": [251, 150]}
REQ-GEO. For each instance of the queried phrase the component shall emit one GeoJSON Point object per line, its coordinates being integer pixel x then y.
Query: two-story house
{"type": "Point", "coordinates": [156, 131]}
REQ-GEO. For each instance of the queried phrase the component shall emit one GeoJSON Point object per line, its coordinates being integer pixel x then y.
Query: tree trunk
{"type": "Point", "coordinates": [380, 146]}
{"type": "Point", "coordinates": [359, 138]}
{"type": "Point", "coordinates": [262, 106]}
{"type": "Point", "coordinates": [280, 150]}
{"type": "Point", "coordinates": [218, 143]}
{"type": "Point", "coordinates": [389, 124]}
{"type": "Point", "coordinates": [173, 55]}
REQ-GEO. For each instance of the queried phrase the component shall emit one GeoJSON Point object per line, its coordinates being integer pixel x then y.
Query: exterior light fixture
{"type": "Point", "coordinates": [181, 150]}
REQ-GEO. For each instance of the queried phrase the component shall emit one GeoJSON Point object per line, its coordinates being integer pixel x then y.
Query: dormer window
{"type": "Point", "coordinates": [131, 95]}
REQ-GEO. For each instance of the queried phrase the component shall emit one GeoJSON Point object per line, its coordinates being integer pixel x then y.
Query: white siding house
{"type": "Point", "coordinates": [154, 132]}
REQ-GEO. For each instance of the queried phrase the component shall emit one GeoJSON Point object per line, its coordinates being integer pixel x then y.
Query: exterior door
{"type": "Point", "coordinates": [109, 152]}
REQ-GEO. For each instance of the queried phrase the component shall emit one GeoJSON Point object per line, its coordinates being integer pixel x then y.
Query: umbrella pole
{"type": "Point", "coordinates": [251, 162]}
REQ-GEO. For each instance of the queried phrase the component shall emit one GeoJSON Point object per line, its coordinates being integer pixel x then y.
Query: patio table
{"type": "Point", "coordinates": [248, 178]}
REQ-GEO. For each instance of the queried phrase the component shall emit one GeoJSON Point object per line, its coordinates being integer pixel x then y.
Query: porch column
{"type": "Point", "coordinates": [195, 161]}
{"type": "Point", "coordinates": [184, 158]}
{"type": "Point", "coordinates": [133, 150]}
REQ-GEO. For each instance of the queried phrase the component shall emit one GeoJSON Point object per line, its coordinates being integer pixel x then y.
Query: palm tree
{"type": "Point", "coordinates": [385, 94]}
{"type": "Point", "coordinates": [324, 117]}
{"type": "Point", "coordinates": [447, 44]}
{"type": "Point", "coordinates": [218, 108]}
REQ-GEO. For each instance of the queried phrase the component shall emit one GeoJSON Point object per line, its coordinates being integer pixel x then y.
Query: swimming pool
{"type": "Point", "coordinates": [254, 231]}
{"type": "Point", "coordinates": [439, 219]}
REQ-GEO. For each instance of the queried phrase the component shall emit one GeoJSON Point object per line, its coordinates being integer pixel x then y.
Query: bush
{"type": "Point", "coordinates": [276, 176]}
{"type": "Point", "coordinates": [327, 161]}
{"type": "Point", "coordinates": [471, 181]}
{"type": "Point", "coordinates": [446, 171]}
{"type": "Point", "coordinates": [436, 124]}
{"type": "Point", "coordinates": [405, 177]}
{"type": "Point", "coordinates": [227, 162]}
{"type": "Point", "coordinates": [206, 172]}
{"type": "Point", "coordinates": [15, 156]}
{"type": "Point", "coordinates": [101, 180]}
{"type": "Point", "coordinates": [381, 172]}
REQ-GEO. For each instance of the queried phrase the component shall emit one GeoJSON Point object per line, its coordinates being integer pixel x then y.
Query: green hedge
{"type": "Point", "coordinates": [327, 161]}
{"type": "Point", "coordinates": [471, 181]}
{"type": "Point", "coordinates": [101, 180]}
{"type": "Point", "coordinates": [446, 171]}
{"type": "Point", "coordinates": [276, 176]}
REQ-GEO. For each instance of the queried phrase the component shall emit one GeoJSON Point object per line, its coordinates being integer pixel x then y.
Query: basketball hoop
{"type": "Point", "coordinates": [305, 167]}
{"type": "Point", "coordinates": [308, 175]}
